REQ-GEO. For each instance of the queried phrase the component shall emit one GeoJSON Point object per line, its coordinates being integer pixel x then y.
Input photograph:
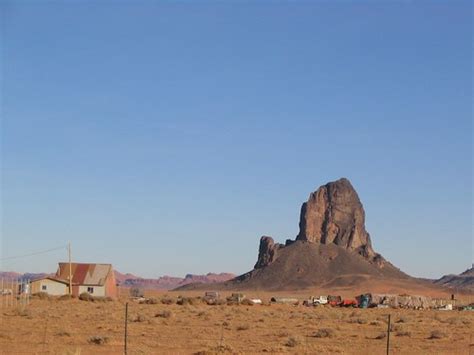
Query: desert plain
{"type": "Point", "coordinates": [73, 326]}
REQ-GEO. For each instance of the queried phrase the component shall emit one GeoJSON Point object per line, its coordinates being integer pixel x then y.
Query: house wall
{"type": "Point", "coordinates": [53, 288]}
{"type": "Point", "coordinates": [98, 290]}
{"type": "Point", "coordinates": [111, 285]}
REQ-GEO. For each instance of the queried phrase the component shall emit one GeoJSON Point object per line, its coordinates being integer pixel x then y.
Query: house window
{"type": "Point", "coordinates": [43, 287]}
{"type": "Point", "coordinates": [90, 289]}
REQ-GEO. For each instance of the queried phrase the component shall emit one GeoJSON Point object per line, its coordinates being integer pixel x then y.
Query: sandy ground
{"type": "Point", "coordinates": [72, 326]}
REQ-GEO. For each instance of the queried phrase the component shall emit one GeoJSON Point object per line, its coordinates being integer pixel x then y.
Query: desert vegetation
{"type": "Point", "coordinates": [189, 325]}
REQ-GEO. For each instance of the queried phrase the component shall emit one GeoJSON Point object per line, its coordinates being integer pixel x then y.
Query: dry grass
{"type": "Point", "coordinates": [193, 301]}
{"type": "Point", "coordinates": [65, 297]}
{"type": "Point", "coordinates": [292, 342]}
{"type": "Point", "coordinates": [243, 327]}
{"type": "Point", "coordinates": [63, 333]}
{"type": "Point", "coordinates": [167, 300]}
{"type": "Point", "coordinates": [324, 333]}
{"type": "Point", "coordinates": [22, 312]}
{"type": "Point", "coordinates": [164, 314]}
{"type": "Point", "coordinates": [403, 333]}
{"type": "Point", "coordinates": [151, 300]}
{"type": "Point", "coordinates": [437, 334]}
{"type": "Point", "coordinates": [139, 318]}
{"type": "Point", "coordinates": [85, 296]}
{"type": "Point", "coordinates": [381, 336]}
{"type": "Point", "coordinates": [42, 296]}
{"type": "Point", "coordinates": [358, 320]}
{"type": "Point", "coordinates": [71, 326]}
{"type": "Point", "coordinates": [98, 340]}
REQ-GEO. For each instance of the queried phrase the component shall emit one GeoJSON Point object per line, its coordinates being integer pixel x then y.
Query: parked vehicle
{"type": "Point", "coordinates": [211, 297]}
{"type": "Point", "coordinates": [334, 300]}
{"type": "Point", "coordinates": [316, 301]}
{"type": "Point", "coordinates": [364, 300]}
{"type": "Point", "coordinates": [321, 300]}
{"type": "Point", "coordinates": [211, 294]}
{"type": "Point", "coordinates": [349, 303]}
{"type": "Point", "coordinates": [236, 298]}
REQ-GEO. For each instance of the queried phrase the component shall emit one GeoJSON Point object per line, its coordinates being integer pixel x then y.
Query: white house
{"type": "Point", "coordinates": [50, 285]}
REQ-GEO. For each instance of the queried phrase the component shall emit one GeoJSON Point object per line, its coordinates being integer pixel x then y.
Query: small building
{"type": "Point", "coordinates": [96, 279]}
{"type": "Point", "coordinates": [50, 285]}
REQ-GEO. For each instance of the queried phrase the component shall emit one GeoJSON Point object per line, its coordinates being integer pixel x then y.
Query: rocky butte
{"type": "Point", "coordinates": [332, 249]}
{"type": "Point", "coordinates": [333, 214]}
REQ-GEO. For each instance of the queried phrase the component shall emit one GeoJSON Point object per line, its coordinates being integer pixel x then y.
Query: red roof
{"type": "Point", "coordinates": [85, 274]}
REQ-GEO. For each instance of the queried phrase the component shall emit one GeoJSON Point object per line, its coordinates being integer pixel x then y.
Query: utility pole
{"type": "Point", "coordinates": [70, 268]}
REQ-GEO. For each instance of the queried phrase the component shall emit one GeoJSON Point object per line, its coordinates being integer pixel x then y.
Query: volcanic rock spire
{"type": "Point", "coordinates": [332, 249]}
{"type": "Point", "coordinates": [334, 214]}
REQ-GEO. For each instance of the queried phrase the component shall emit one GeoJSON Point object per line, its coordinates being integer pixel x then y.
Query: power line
{"type": "Point", "coordinates": [33, 254]}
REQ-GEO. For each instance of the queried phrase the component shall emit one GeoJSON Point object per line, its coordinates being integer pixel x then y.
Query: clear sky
{"type": "Point", "coordinates": [167, 137]}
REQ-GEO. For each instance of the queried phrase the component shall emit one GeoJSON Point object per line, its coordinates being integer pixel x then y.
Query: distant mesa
{"type": "Point", "coordinates": [463, 281]}
{"type": "Point", "coordinates": [169, 282]}
{"type": "Point", "coordinates": [12, 275]}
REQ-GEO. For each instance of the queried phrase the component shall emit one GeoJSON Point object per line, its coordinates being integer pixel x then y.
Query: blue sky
{"type": "Point", "coordinates": [167, 137]}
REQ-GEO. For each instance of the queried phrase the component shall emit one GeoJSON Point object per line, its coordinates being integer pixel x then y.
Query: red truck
{"type": "Point", "coordinates": [349, 303]}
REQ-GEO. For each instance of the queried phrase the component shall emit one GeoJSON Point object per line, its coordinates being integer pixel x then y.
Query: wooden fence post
{"type": "Point", "coordinates": [388, 336]}
{"type": "Point", "coordinates": [126, 329]}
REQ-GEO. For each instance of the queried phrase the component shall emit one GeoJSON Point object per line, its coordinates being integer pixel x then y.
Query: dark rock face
{"type": "Point", "coordinates": [334, 214]}
{"type": "Point", "coordinates": [267, 252]}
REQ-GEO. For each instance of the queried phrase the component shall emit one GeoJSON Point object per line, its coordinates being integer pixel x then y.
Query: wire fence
{"type": "Point", "coordinates": [132, 335]}
{"type": "Point", "coordinates": [51, 342]}
{"type": "Point", "coordinates": [14, 292]}
{"type": "Point", "coordinates": [156, 343]}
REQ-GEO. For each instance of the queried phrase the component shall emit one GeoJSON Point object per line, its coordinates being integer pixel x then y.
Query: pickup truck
{"type": "Point", "coordinates": [316, 301]}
